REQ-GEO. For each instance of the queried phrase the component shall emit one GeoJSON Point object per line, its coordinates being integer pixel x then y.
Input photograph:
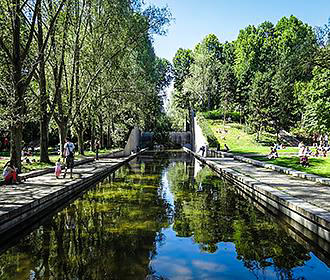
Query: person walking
{"type": "Point", "coordinates": [58, 168]}
{"type": "Point", "coordinates": [69, 156]}
{"type": "Point", "coordinates": [97, 147]}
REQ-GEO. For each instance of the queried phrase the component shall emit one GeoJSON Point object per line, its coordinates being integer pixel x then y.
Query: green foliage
{"type": "Point", "coordinates": [162, 129]}
{"type": "Point", "coordinates": [219, 115]}
{"type": "Point", "coordinates": [315, 99]}
{"type": "Point", "coordinates": [203, 83]}
{"type": "Point", "coordinates": [207, 131]}
{"type": "Point", "coordinates": [98, 75]}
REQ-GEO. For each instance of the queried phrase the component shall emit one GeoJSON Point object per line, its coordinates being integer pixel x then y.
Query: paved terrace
{"type": "Point", "coordinates": [312, 192]}
{"type": "Point", "coordinates": [300, 197]}
{"type": "Point", "coordinates": [39, 192]}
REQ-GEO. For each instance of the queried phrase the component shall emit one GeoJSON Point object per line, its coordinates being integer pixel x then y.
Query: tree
{"type": "Point", "coordinates": [203, 82]}
{"type": "Point", "coordinates": [314, 97]}
{"type": "Point", "coordinates": [18, 22]}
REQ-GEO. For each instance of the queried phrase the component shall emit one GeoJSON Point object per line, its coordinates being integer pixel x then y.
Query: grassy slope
{"type": "Point", "coordinates": [241, 142]}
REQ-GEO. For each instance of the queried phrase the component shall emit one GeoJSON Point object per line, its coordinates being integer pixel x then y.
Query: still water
{"type": "Point", "coordinates": [161, 216]}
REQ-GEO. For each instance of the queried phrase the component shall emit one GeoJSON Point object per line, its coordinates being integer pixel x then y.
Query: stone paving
{"type": "Point", "coordinates": [311, 192]}
{"type": "Point", "coordinates": [35, 189]}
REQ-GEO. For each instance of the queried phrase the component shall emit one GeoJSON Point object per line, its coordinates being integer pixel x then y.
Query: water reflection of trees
{"type": "Point", "coordinates": [211, 211]}
{"type": "Point", "coordinates": [110, 233]}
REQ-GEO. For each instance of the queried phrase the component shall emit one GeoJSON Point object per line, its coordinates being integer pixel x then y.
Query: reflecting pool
{"type": "Point", "coordinates": [162, 216]}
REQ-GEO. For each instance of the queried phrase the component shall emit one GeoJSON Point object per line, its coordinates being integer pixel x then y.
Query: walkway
{"type": "Point", "coordinates": [38, 193]}
{"type": "Point", "coordinates": [311, 192]}
{"type": "Point", "coordinates": [304, 202]}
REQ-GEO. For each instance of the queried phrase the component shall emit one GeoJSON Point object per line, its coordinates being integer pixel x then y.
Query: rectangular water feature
{"type": "Point", "coordinates": [162, 216]}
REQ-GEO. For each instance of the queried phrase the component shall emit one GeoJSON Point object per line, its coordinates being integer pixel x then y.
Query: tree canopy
{"type": "Point", "coordinates": [274, 75]}
{"type": "Point", "coordinates": [82, 67]}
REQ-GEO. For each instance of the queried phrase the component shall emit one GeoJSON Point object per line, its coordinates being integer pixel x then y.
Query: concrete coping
{"type": "Point", "coordinates": [300, 210]}
{"type": "Point", "coordinates": [285, 170]}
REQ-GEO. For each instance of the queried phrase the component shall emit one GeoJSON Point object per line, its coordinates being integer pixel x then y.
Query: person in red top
{"type": "Point", "coordinates": [5, 143]}
{"type": "Point", "coordinates": [10, 173]}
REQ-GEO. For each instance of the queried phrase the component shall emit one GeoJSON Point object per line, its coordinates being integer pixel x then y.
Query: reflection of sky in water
{"type": "Point", "coordinates": [180, 258]}
{"type": "Point", "coordinates": [166, 190]}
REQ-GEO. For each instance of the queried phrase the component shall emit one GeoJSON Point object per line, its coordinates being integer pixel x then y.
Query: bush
{"type": "Point", "coordinates": [207, 131]}
{"type": "Point", "coordinates": [218, 115]}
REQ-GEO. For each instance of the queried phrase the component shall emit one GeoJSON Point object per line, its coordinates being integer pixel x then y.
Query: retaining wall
{"type": "Point", "coordinates": [19, 215]}
{"type": "Point", "coordinates": [312, 218]}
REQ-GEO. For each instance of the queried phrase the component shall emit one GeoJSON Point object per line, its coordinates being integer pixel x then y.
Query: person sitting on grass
{"type": "Point", "coordinates": [324, 151]}
{"type": "Point", "coordinates": [303, 158]}
{"type": "Point", "coordinates": [10, 173]}
{"type": "Point", "coordinates": [273, 154]}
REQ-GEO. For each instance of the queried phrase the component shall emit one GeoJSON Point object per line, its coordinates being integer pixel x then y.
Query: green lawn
{"type": "Point", "coordinates": [239, 141]}
{"type": "Point", "coordinates": [318, 166]}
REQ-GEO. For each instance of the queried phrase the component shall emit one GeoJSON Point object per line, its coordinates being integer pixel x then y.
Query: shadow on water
{"type": "Point", "coordinates": [159, 217]}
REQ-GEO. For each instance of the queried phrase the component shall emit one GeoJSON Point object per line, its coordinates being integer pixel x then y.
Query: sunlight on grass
{"type": "Point", "coordinates": [239, 141]}
{"type": "Point", "coordinates": [318, 166]}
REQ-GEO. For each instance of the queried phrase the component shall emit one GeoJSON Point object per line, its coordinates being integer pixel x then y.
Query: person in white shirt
{"type": "Point", "coordinates": [68, 153]}
{"type": "Point", "coordinates": [326, 140]}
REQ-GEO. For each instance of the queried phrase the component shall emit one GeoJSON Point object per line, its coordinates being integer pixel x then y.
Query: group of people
{"type": "Point", "coordinates": [10, 171]}
{"type": "Point", "coordinates": [320, 140]}
{"type": "Point", "coordinates": [305, 152]}
{"type": "Point", "coordinates": [68, 153]}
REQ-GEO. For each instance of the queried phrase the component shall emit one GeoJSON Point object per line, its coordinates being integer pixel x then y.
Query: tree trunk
{"type": "Point", "coordinates": [101, 138]}
{"type": "Point", "coordinates": [62, 132]}
{"type": "Point", "coordinates": [80, 136]}
{"type": "Point", "coordinates": [93, 136]}
{"type": "Point", "coordinates": [19, 90]}
{"type": "Point", "coordinates": [16, 143]}
{"type": "Point", "coordinates": [109, 137]}
{"type": "Point", "coordinates": [44, 140]}
{"type": "Point", "coordinates": [45, 118]}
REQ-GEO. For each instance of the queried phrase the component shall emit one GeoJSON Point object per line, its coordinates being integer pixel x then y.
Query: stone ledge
{"type": "Point", "coordinates": [313, 218]}
{"type": "Point", "coordinates": [16, 215]}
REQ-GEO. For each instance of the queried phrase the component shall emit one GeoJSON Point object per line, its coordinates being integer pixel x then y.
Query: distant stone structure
{"type": "Point", "coordinates": [182, 139]}
{"type": "Point", "coordinates": [133, 142]}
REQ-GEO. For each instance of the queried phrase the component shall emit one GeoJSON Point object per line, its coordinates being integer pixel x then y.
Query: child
{"type": "Point", "coordinates": [58, 168]}
{"type": "Point", "coordinates": [10, 173]}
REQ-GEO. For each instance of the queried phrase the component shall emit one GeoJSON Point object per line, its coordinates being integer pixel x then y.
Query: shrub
{"type": "Point", "coordinates": [218, 115]}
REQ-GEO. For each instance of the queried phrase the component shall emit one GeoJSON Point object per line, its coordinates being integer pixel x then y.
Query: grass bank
{"type": "Point", "coordinates": [240, 141]}
{"type": "Point", "coordinates": [318, 166]}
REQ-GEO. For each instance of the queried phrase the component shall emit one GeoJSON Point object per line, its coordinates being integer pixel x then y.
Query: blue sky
{"type": "Point", "coordinates": [194, 19]}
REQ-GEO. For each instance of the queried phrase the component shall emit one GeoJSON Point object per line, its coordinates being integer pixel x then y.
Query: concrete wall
{"type": "Point", "coordinates": [133, 141]}
{"type": "Point", "coordinates": [181, 138]}
{"type": "Point", "coordinates": [303, 214]}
